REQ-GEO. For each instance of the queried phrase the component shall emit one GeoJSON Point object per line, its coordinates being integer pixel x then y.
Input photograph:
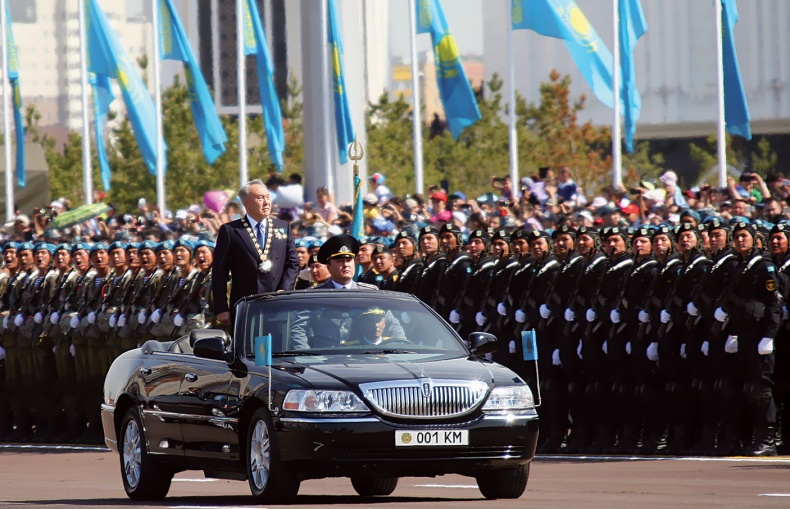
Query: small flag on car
{"type": "Point", "coordinates": [263, 350]}
{"type": "Point", "coordinates": [528, 346]}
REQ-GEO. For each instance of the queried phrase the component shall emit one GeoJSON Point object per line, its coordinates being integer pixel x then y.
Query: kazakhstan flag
{"type": "Point", "coordinates": [460, 105]}
{"type": "Point", "coordinates": [632, 27]}
{"type": "Point", "coordinates": [107, 57]}
{"type": "Point", "coordinates": [343, 125]}
{"type": "Point", "coordinates": [736, 111]}
{"type": "Point", "coordinates": [102, 98]}
{"type": "Point", "coordinates": [174, 45]}
{"type": "Point", "coordinates": [13, 78]}
{"type": "Point", "coordinates": [562, 19]}
{"type": "Point", "coordinates": [255, 44]}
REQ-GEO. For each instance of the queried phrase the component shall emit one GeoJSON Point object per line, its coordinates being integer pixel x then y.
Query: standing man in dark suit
{"type": "Point", "coordinates": [257, 250]}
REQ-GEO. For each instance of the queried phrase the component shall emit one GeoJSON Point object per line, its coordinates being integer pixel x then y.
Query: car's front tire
{"type": "Point", "coordinates": [504, 483]}
{"type": "Point", "coordinates": [142, 478]}
{"type": "Point", "coordinates": [269, 480]}
{"type": "Point", "coordinates": [368, 486]}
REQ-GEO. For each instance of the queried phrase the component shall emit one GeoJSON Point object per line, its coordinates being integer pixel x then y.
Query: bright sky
{"type": "Point", "coordinates": [465, 18]}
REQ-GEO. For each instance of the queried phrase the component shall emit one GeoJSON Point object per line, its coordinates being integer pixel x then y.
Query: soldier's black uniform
{"type": "Point", "coordinates": [459, 267]}
{"type": "Point", "coordinates": [782, 345]}
{"type": "Point", "coordinates": [410, 275]}
{"type": "Point", "coordinates": [494, 307]}
{"type": "Point", "coordinates": [472, 296]}
{"type": "Point", "coordinates": [427, 286]}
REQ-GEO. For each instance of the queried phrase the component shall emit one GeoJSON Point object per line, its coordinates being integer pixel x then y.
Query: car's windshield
{"type": "Point", "coordinates": [326, 325]}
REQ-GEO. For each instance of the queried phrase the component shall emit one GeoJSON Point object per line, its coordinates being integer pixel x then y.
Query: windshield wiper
{"type": "Point", "coordinates": [387, 352]}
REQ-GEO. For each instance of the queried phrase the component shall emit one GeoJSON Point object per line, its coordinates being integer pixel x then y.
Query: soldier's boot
{"type": "Point", "coordinates": [778, 438]}
{"type": "Point", "coordinates": [678, 440]}
{"type": "Point", "coordinates": [654, 441]}
{"type": "Point", "coordinates": [72, 430]}
{"type": "Point", "coordinates": [23, 429]}
{"type": "Point", "coordinates": [727, 443]}
{"type": "Point", "coordinates": [764, 443]}
{"type": "Point", "coordinates": [604, 439]}
{"type": "Point", "coordinates": [706, 445]}
{"type": "Point", "coordinates": [579, 439]}
{"type": "Point", "coordinates": [628, 440]}
{"type": "Point", "coordinates": [95, 433]}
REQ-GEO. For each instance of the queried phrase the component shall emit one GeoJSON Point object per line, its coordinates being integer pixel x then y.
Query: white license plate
{"type": "Point", "coordinates": [431, 438]}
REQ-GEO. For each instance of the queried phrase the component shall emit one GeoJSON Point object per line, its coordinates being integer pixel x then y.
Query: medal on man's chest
{"type": "Point", "coordinates": [265, 264]}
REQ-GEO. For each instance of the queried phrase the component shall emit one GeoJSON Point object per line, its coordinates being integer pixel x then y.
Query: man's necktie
{"type": "Point", "coordinates": [259, 227]}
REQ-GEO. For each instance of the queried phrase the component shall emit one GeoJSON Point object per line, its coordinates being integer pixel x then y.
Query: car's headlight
{"type": "Point", "coordinates": [502, 399]}
{"type": "Point", "coordinates": [323, 401]}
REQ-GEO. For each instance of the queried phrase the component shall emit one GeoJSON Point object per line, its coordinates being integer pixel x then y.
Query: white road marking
{"type": "Point", "coordinates": [729, 459]}
{"type": "Point", "coordinates": [773, 494]}
{"type": "Point", "coordinates": [473, 486]}
{"type": "Point", "coordinates": [195, 480]}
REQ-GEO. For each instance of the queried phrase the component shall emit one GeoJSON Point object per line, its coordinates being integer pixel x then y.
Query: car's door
{"type": "Point", "coordinates": [160, 376]}
{"type": "Point", "coordinates": [208, 431]}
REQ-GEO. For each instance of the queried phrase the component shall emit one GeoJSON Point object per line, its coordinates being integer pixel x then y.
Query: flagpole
{"type": "Point", "coordinates": [9, 176]}
{"type": "Point", "coordinates": [241, 65]}
{"type": "Point", "coordinates": [721, 137]}
{"type": "Point", "coordinates": [87, 180]}
{"type": "Point", "coordinates": [327, 85]}
{"type": "Point", "coordinates": [617, 147]}
{"type": "Point", "coordinates": [419, 185]}
{"type": "Point", "coordinates": [512, 99]}
{"type": "Point", "coordinates": [160, 146]}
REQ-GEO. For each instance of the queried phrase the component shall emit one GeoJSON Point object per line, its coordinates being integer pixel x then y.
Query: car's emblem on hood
{"type": "Point", "coordinates": [426, 385]}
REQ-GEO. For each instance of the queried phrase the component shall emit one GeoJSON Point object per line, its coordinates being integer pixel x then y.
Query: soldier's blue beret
{"type": "Point", "coordinates": [99, 246]}
{"type": "Point", "coordinates": [25, 246]}
{"type": "Point", "coordinates": [133, 245]}
{"type": "Point", "coordinates": [10, 245]}
{"type": "Point", "coordinates": [45, 246]}
{"type": "Point", "coordinates": [80, 246]}
{"type": "Point", "coordinates": [63, 247]}
{"type": "Point", "coordinates": [147, 244]}
{"type": "Point", "coordinates": [204, 243]}
{"type": "Point", "coordinates": [166, 245]}
{"type": "Point", "coordinates": [302, 243]}
{"type": "Point", "coordinates": [185, 244]}
{"type": "Point", "coordinates": [116, 245]}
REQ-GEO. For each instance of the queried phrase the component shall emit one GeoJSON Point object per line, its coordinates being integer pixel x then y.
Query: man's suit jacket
{"type": "Point", "coordinates": [328, 285]}
{"type": "Point", "coordinates": [235, 255]}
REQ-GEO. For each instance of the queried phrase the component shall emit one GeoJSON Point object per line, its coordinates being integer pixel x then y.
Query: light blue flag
{"type": "Point", "coordinates": [343, 125]}
{"type": "Point", "coordinates": [13, 79]}
{"type": "Point", "coordinates": [102, 98]}
{"type": "Point", "coordinates": [263, 350]}
{"type": "Point", "coordinates": [736, 111]}
{"type": "Point", "coordinates": [564, 20]}
{"type": "Point", "coordinates": [359, 211]}
{"type": "Point", "coordinates": [529, 347]}
{"type": "Point", "coordinates": [632, 27]}
{"type": "Point", "coordinates": [255, 44]}
{"type": "Point", "coordinates": [460, 105]}
{"type": "Point", "coordinates": [106, 56]}
{"type": "Point", "coordinates": [174, 45]}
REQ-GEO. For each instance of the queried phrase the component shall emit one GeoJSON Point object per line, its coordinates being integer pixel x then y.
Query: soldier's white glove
{"type": "Point", "coordinates": [692, 309]}
{"type": "Point", "coordinates": [652, 352]}
{"type": "Point", "coordinates": [55, 349]}
{"type": "Point", "coordinates": [178, 320]}
{"type": "Point", "coordinates": [38, 317]}
{"type": "Point", "coordinates": [579, 349]}
{"type": "Point", "coordinates": [555, 357]}
{"type": "Point", "coordinates": [122, 320]}
{"type": "Point", "coordinates": [720, 315]}
{"type": "Point", "coordinates": [72, 350]}
{"type": "Point", "coordinates": [92, 317]}
{"type": "Point", "coordinates": [2, 353]}
{"type": "Point", "coordinates": [664, 316]}
{"type": "Point", "coordinates": [74, 322]}
{"type": "Point", "coordinates": [605, 347]}
{"type": "Point", "coordinates": [614, 316]}
{"type": "Point", "coordinates": [705, 348]}
{"type": "Point", "coordinates": [683, 350]}
{"type": "Point", "coordinates": [590, 315]}
{"type": "Point", "coordinates": [628, 348]}
{"type": "Point", "coordinates": [480, 318]}
{"type": "Point", "coordinates": [141, 317]}
{"type": "Point", "coordinates": [511, 347]}
{"type": "Point", "coordinates": [19, 319]}
{"type": "Point", "coordinates": [113, 320]}
{"type": "Point", "coordinates": [766, 346]}
{"type": "Point", "coordinates": [54, 318]}
{"type": "Point", "coordinates": [156, 316]}
{"type": "Point", "coordinates": [544, 311]}
{"type": "Point", "coordinates": [731, 345]}
{"type": "Point", "coordinates": [570, 316]}
{"type": "Point", "coordinates": [501, 309]}
{"type": "Point", "coordinates": [455, 317]}
{"type": "Point", "coordinates": [521, 316]}
{"type": "Point", "coordinates": [5, 322]}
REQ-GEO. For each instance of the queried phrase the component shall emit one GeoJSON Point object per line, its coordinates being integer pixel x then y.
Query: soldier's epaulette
{"type": "Point", "coordinates": [367, 286]}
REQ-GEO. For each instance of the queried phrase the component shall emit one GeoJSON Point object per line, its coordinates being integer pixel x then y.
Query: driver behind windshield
{"type": "Point", "coordinates": [372, 328]}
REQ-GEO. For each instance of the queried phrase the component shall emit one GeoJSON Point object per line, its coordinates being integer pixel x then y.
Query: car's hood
{"type": "Point", "coordinates": [353, 370]}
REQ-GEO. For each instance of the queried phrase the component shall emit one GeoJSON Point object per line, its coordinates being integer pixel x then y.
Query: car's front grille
{"type": "Point", "coordinates": [425, 398]}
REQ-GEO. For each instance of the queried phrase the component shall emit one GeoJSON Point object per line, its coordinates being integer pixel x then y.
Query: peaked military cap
{"type": "Point", "coordinates": [342, 246]}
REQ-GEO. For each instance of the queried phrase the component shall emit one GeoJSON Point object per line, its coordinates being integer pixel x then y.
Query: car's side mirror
{"type": "Point", "coordinates": [211, 348]}
{"type": "Point", "coordinates": [482, 343]}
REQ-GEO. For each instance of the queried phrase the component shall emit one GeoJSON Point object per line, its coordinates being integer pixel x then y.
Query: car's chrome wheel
{"type": "Point", "coordinates": [270, 481]}
{"type": "Point", "coordinates": [143, 478]}
{"type": "Point", "coordinates": [260, 455]}
{"type": "Point", "coordinates": [131, 454]}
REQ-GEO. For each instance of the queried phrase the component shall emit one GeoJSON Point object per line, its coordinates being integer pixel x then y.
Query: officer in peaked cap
{"type": "Point", "coordinates": [338, 254]}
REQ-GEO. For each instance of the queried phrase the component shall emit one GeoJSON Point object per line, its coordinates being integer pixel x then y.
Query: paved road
{"type": "Point", "coordinates": [46, 477]}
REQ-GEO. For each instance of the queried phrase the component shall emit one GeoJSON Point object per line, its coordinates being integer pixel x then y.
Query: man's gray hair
{"type": "Point", "coordinates": [245, 189]}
